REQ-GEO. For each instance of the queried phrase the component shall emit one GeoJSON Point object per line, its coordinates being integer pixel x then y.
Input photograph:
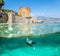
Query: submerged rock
{"type": "Point", "coordinates": [3, 17]}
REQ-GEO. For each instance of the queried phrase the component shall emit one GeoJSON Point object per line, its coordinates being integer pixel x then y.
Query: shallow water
{"type": "Point", "coordinates": [34, 29]}
{"type": "Point", "coordinates": [48, 45]}
{"type": "Point", "coordinates": [46, 38]}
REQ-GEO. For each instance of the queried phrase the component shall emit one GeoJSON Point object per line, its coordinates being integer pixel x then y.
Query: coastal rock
{"type": "Point", "coordinates": [3, 17]}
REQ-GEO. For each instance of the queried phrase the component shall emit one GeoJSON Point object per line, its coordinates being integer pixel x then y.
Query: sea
{"type": "Point", "coordinates": [46, 38]}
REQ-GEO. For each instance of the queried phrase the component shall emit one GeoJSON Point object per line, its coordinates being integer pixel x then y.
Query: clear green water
{"type": "Point", "coordinates": [46, 37]}
{"type": "Point", "coordinates": [34, 29]}
{"type": "Point", "coordinates": [46, 45]}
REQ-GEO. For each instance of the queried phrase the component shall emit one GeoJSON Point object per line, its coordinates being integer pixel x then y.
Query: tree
{"type": "Point", "coordinates": [3, 14]}
{"type": "Point", "coordinates": [1, 3]}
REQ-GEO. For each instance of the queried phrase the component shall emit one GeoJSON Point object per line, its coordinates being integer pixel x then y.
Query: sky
{"type": "Point", "coordinates": [47, 8]}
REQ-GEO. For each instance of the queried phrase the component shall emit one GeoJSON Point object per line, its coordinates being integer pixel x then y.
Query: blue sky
{"type": "Point", "coordinates": [49, 8]}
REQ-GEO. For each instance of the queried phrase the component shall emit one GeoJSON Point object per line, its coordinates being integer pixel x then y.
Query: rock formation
{"type": "Point", "coordinates": [3, 17]}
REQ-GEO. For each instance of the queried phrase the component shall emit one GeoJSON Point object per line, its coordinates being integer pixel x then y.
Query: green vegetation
{"type": "Point", "coordinates": [1, 3]}
{"type": "Point", "coordinates": [8, 10]}
{"type": "Point", "coordinates": [28, 17]}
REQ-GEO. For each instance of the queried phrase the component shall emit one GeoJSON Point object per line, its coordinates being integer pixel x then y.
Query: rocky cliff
{"type": "Point", "coordinates": [3, 17]}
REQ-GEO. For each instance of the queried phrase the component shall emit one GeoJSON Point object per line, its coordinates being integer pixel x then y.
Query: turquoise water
{"type": "Point", "coordinates": [47, 44]}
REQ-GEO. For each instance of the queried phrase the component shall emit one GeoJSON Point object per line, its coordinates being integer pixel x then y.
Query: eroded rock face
{"type": "Point", "coordinates": [3, 17]}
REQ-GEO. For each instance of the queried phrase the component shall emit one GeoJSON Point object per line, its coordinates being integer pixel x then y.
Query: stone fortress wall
{"type": "Point", "coordinates": [15, 19]}
{"type": "Point", "coordinates": [23, 17]}
{"type": "Point", "coordinates": [25, 12]}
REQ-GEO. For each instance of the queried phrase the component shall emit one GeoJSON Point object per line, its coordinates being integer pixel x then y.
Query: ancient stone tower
{"type": "Point", "coordinates": [24, 12]}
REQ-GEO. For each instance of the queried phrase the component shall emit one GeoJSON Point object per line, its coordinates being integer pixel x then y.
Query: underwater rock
{"type": "Point", "coordinates": [3, 17]}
